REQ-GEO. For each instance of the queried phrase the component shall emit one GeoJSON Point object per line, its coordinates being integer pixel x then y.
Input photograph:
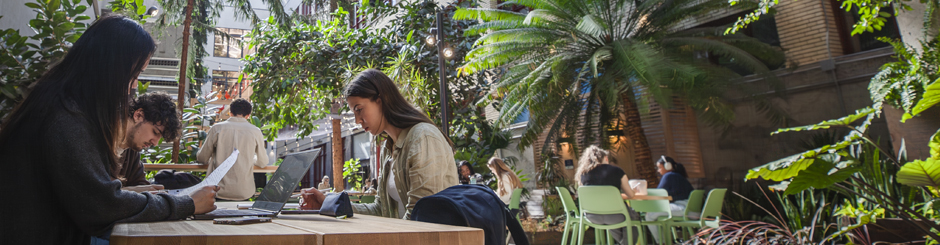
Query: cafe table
{"type": "Point", "coordinates": [297, 229]}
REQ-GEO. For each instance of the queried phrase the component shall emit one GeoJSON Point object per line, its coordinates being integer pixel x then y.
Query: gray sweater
{"type": "Point", "coordinates": [56, 189]}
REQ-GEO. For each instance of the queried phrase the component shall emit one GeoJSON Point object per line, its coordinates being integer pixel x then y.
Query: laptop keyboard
{"type": "Point", "coordinates": [246, 212]}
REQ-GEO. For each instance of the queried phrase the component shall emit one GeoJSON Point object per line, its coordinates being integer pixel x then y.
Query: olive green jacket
{"type": "Point", "coordinates": [424, 164]}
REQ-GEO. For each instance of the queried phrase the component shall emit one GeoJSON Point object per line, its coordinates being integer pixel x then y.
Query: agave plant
{"type": "Point", "coordinates": [594, 65]}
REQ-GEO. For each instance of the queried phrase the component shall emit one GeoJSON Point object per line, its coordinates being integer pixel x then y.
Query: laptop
{"type": "Point", "coordinates": [276, 192]}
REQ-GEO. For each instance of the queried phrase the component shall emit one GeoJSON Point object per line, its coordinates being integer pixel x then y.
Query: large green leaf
{"type": "Point", "coordinates": [844, 121]}
{"type": "Point", "coordinates": [931, 97]}
{"type": "Point", "coordinates": [935, 145]}
{"type": "Point", "coordinates": [821, 174]}
{"type": "Point", "coordinates": [920, 173]}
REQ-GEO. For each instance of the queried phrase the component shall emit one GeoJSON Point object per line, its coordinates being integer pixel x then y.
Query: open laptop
{"type": "Point", "coordinates": [277, 191]}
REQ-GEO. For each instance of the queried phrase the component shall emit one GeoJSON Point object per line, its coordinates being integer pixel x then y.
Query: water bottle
{"type": "Point", "coordinates": [474, 178]}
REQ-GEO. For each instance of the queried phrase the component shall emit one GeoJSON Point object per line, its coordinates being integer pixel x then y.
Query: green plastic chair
{"type": "Point", "coordinates": [367, 199]}
{"type": "Point", "coordinates": [514, 201]}
{"type": "Point", "coordinates": [654, 206]}
{"type": "Point", "coordinates": [711, 212]}
{"type": "Point", "coordinates": [602, 200]}
{"type": "Point", "coordinates": [657, 192]}
{"type": "Point", "coordinates": [696, 201]}
{"type": "Point", "coordinates": [571, 210]}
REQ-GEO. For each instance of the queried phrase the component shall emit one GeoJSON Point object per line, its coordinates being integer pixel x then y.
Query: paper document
{"type": "Point", "coordinates": [212, 179]}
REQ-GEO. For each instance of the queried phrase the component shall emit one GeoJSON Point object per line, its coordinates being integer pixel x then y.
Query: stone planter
{"type": "Point", "coordinates": [554, 237]}
{"type": "Point", "coordinates": [894, 230]}
{"type": "Point", "coordinates": [916, 131]}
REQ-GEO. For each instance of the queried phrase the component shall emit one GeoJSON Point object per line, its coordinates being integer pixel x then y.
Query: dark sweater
{"type": "Point", "coordinates": [604, 174]}
{"type": "Point", "coordinates": [132, 170]}
{"type": "Point", "coordinates": [676, 185]}
{"type": "Point", "coordinates": [57, 189]}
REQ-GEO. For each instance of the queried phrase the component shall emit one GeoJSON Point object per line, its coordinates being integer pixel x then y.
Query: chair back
{"type": "Point", "coordinates": [657, 192]}
{"type": "Point", "coordinates": [696, 201]}
{"type": "Point", "coordinates": [515, 198]}
{"type": "Point", "coordinates": [712, 209]}
{"type": "Point", "coordinates": [568, 203]}
{"type": "Point", "coordinates": [601, 199]}
{"type": "Point", "coordinates": [367, 199]}
{"type": "Point", "coordinates": [652, 206]}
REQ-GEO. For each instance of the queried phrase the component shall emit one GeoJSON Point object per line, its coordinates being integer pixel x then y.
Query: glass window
{"type": "Point", "coordinates": [226, 83]}
{"type": "Point", "coordinates": [236, 47]}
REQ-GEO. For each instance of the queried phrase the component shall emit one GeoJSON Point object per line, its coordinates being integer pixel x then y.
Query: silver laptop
{"type": "Point", "coordinates": [277, 191]}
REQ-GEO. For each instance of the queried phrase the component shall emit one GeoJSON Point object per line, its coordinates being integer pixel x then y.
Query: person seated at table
{"type": "Point", "coordinates": [324, 183]}
{"type": "Point", "coordinates": [418, 161]}
{"type": "Point", "coordinates": [152, 116]}
{"type": "Point", "coordinates": [466, 172]}
{"type": "Point", "coordinates": [676, 182]}
{"type": "Point", "coordinates": [370, 186]}
{"type": "Point", "coordinates": [59, 145]}
{"type": "Point", "coordinates": [593, 169]}
{"type": "Point", "coordinates": [506, 179]}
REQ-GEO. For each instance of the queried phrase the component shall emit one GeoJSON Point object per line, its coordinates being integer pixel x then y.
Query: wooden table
{"type": "Point", "coordinates": [645, 197]}
{"type": "Point", "coordinates": [199, 167]}
{"type": "Point", "coordinates": [297, 229]}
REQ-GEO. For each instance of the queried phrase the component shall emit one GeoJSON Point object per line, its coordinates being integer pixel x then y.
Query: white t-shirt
{"type": "Point", "coordinates": [393, 193]}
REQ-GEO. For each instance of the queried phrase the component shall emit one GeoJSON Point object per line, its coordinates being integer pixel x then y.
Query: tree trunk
{"type": "Point", "coordinates": [181, 97]}
{"type": "Point", "coordinates": [338, 181]}
{"type": "Point", "coordinates": [642, 156]}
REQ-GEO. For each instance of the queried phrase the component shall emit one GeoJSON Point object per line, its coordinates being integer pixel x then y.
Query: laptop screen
{"type": "Point", "coordinates": [278, 190]}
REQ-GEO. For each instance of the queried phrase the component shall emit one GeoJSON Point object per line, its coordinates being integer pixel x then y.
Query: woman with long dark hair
{"type": "Point", "coordinates": [676, 182]}
{"type": "Point", "coordinates": [60, 143]}
{"type": "Point", "coordinates": [418, 160]}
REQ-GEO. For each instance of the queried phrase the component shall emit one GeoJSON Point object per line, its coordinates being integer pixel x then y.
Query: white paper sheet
{"type": "Point", "coordinates": [212, 179]}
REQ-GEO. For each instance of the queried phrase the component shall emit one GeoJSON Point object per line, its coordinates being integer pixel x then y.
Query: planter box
{"type": "Point", "coordinates": [894, 230]}
{"type": "Point", "coordinates": [554, 237]}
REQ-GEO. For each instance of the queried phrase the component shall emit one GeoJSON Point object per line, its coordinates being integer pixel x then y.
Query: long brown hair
{"type": "Point", "coordinates": [501, 167]}
{"type": "Point", "coordinates": [374, 85]}
{"type": "Point", "coordinates": [93, 76]}
{"type": "Point", "coordinates": [591, 157]}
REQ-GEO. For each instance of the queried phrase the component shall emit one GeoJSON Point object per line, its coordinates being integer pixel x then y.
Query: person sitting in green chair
{"type": "Point", "coordinates": [593, 169]}
{"type": "Point", "coordinates": [676, 182]}
{"type": "Point", "coordinates": [506, 179]}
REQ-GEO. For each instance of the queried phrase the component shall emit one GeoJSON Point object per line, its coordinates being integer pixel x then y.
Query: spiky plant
{"type": "Point", "coordinates": [595, 65]}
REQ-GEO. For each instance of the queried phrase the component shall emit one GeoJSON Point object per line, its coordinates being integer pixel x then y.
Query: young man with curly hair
{"type": "Point", "coordinates": [151, 116]}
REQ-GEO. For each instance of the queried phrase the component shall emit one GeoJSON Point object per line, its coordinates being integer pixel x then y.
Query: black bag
{"type": "Point", "coordinates": [170, 179]}
{"type": "Point", "coordinates": [474, 206]}
{"type": "Point", "coordinates": [337, 204]}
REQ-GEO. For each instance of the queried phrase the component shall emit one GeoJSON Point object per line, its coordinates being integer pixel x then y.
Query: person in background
{"type": "Point", "coordinates": [224, 138]}
{"type": "Point", "coordinates": [593, 169]}
{"type": "Point", "coordinates": [151, 116]}
{"type": "Point", "coordinates": [507, 181]}
{"type": "Point", "coordinates": [466, 172]}
{"type": "Point", "coordinates": [59, 143]}
{"type": "Point", "coordinates": [324, 183]}
{"type": "Point", "coordinates": [676, 182]}
{"type": "Point", "coordinates": [417, 159]}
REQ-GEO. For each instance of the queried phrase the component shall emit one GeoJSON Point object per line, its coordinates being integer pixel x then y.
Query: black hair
{"type": "Point", "coordinates": [676, 166]}
{"type": "Point", "coordinates": [240, 107]}
{"type": "Point", "coordinates": [159, 109]}
{"type": "Point", "coordinates": [95, 77]}
{"type": "Point", "coordinates": [373, 85]}
{"type": "Point", "coordinates": [461, 177]}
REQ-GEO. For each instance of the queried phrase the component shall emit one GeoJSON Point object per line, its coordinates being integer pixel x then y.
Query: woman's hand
{"type": "Point", "coordinates": [311, 199]}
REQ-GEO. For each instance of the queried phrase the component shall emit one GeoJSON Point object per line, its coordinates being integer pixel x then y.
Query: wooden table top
{"type": "Point", "coordinates": [199, 167]}
{"type": "Point", "coordinates": [645, 197]}
{"type": "Point", "coordinates": [297, 229]}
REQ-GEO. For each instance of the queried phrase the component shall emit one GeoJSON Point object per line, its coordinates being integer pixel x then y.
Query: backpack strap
{"type": "Point", "coordinates": [515, 229]}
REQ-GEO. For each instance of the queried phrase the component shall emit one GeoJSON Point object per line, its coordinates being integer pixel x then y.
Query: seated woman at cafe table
{"type": "Point", "coordinates": [417, 160]}
{"type": "Point", "coordinates": [506, 179]}
{"type": "Point", "coordinates": [58, 145]}
{"type": "Point", "coordinates": [593, 169]}
{"type": "Point", "coordinates": [676, 182]}
{"type": "Point", "coordinates": [466, 172]}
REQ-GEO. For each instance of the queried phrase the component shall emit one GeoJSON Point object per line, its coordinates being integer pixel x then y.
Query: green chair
{"type": "Point", "coordinates": [602, 200]}
{"type": "Point", "coordinates": [711, 212]}
{"type": "Point", "coordinates": [514, 201]}
{"type": "Point", "coordinates": [571, 210]}
{"type": "Point", "coordinates": [657, 192]}
{"type": "Point", "coordinates": [654, 206]}
{"type": "Point", "coordinates": [366, 199]}
{"type": "Point", "coordinates": [696, 201]}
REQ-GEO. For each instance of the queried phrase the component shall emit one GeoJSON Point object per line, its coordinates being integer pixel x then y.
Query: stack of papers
{"type": "Point", "coordinates": [212, 179]}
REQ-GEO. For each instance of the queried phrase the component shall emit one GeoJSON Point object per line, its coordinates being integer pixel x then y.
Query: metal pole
{"type": "Point", "coordinates": [443, 74]}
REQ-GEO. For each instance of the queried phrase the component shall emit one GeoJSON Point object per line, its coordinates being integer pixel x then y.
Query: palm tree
{"type": "Point", "coordinates": [595, 65]}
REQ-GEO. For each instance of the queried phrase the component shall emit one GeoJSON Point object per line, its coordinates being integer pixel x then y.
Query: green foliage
{"type": "Point", "coordinates": [352, 174]}
{"type": "Point", "coordinates": [56, 26]}
{"type": "Point", "coordinates": [920, 173]}
{"type": "Point", "coordinates": [930, 98]}
{"type": "Point", "coordinates": [552, 174]}
{"type": "Point", "coordinates": [194, 133]}
{"type": "Point", "coordinates": [570, 62]}
{"type": "Point", "coordinates": [873, 14]}
{"type": "Point", "coordinates": [902, 83]}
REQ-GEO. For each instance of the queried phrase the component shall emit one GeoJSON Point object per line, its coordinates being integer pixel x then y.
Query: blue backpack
{"type": "Point", "coordinates": [474, 206]}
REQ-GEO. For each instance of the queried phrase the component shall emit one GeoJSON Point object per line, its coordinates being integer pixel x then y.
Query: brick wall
{"type": "Point", "coordinates": [803, 33]}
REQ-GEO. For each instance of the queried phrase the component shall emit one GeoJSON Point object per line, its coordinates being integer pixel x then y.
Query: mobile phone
{"type": "Point", "coordinates": [241, 220]}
